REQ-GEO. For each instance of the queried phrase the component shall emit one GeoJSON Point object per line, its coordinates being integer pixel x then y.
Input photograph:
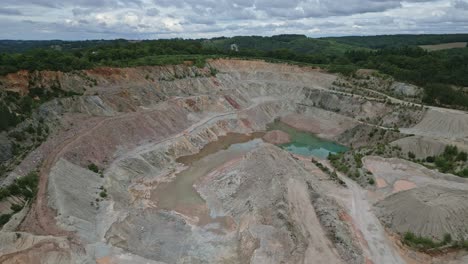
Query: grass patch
{"type": "Point", "coordinates": [428, 244]}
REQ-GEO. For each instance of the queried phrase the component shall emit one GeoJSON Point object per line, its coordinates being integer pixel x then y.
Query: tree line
{"type": "Point", "coordinates": [439, 73]}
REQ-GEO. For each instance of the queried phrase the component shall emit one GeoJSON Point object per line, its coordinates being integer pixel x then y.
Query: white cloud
{"type": "Point", "coordinates": [85, 19]}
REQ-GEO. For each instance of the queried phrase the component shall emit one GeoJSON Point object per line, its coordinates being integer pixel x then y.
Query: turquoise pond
{"type": "Point", "coordinates": [307, 144]}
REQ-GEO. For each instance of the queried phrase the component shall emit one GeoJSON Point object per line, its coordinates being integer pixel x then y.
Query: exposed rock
{"type": "Point", "coordinates": [405, 89]}
{"type": "Point", "coordinates": [73, 193]}
{"type": "Point", "coordinates": [267, 193]}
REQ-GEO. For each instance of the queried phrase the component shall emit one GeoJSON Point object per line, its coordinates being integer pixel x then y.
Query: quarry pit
{"type": "Point", "coordinates": [233, 167]}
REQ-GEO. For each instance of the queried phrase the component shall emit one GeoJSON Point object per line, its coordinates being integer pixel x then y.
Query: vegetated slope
{"type": "Point", "coordinates": [386, 41]}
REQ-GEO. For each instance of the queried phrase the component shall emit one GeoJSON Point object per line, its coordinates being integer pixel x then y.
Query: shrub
{"type": "Point", "coordinates": [411, 155]}
{"type": "Point", "coordinates": [462, 156]}
{"type": "Point", "coordinates": [213, 71]}
{"type": "Point", "coordinates": [19, 136]}
{"type": "Point", "coordinates": [103, 194]}
{"type": "Point", "coordinates": [4, 218]}
{"type": "Point", "coordinates": [93, 167]}
{"type": "Point", "coordinates": [418, 241]}
{"type": "Point", "coordinates": [443, 164]}
{"type": "Point", "coordinates": [30, 129]}
{"type": "Point", "coordinates": [447, 239]}
{"type": "Point", "coordinates": [4, 193]}
{"type": "Point", "coordinates": [430, 159]}
{"type": "Point", "coordinates": [358, 160]}
{"type": "Point", "coordinates": [463, 173]}
{"type": "Point", "coordinates": [450, 151]}
{"type": "Point", "coordinates": [16, 207]}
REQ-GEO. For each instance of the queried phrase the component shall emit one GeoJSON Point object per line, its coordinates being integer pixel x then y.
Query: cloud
{"type": "Point", "coordinates": [461, 4]}
{"type": "Point", "coordinates": [152, 12]}
{"type": "Point", "coordinates": [9, 11]}
{"type": "Point", "coordinates": [141, 19]}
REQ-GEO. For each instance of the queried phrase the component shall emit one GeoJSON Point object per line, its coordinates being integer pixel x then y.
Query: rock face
{"type": "Point", "coordinates": [277, 137]}
{"type": "Point", "coordinates": [405, 89]}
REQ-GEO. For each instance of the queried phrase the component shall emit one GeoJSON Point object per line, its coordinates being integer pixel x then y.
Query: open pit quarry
{"type": "Point", "coordinates": [193, 169]}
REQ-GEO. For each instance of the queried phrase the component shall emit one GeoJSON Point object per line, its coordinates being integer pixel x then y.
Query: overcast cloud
{"type": "Point", "coordinates": [149, 19]}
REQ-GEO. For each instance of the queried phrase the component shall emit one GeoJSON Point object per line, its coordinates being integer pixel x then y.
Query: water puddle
{"type": "Point", "coordinates": [305, 143]}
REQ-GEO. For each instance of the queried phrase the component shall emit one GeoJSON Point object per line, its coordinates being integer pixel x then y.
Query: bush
{"type": "Point", "coordinates": [4, 218]}
{"type": "Point", "coordinates": [450, 151]}
{"type": "Point", "coordinates": [25, 186]}
{"type": "Point", "coordinates": [418, 241]}
{"type": "Point", "coordinates": [463, 173]}
{"type": "Point", "coordinates": [430, 159]}
{"type": "Point", "coordinates": [443, 164]}
{"type": "Point", "coordinates": [447, 239]}
{"type": "Point", "coordinates": [16, 207]}
{"type": "Point", "coordinates": [103, 194]}
{"type": "Point", "coordinates": [4, 193]}
{"type": "Point", "coordinates": [462, 156]}
{"type": "Point", "coordinates": [19, 136]}
{"type": "Point", "coordinates": [411, 155]}
{"type": "Point", "coordinates": [358, 160]}
{"type": "Point", "coordinates": [93, 167]}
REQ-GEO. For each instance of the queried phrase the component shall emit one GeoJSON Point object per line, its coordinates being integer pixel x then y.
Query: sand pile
{"type": "Point", "coordinates": [429, 211]}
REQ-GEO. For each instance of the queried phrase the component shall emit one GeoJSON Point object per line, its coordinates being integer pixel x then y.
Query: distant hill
{"type": "Point", "coordinates": [295, 43]}
{"type": "Point", "coordinates": [20, 46]}
{"type": "Point", "coordinates": [391, 41]}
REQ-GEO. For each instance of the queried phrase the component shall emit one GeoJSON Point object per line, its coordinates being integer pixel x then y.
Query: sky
{"type": "Point", "coordinates": [155, 19]}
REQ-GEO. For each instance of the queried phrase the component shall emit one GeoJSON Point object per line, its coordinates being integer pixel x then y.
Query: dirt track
{"type": "Point", "coordinates": [375, 243]}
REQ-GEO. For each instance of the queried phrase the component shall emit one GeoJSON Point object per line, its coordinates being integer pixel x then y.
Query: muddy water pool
{"type": "Point", "coordinates": [180, 195]}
